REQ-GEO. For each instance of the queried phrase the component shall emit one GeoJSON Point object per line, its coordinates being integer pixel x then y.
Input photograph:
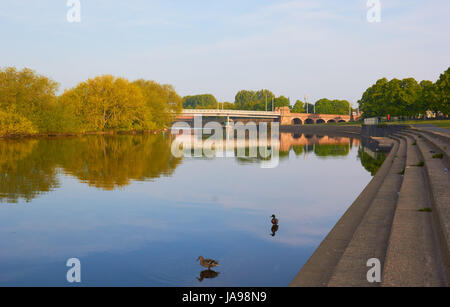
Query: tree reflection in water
{"type": "Point", "coordinates": [31, 167]}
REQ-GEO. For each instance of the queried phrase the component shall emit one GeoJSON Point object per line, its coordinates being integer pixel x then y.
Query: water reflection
{"type": "Point", "coordinates": [207, 274]}
{"type": "Point", "coordinates": [274, 230]}
{"type": "Point", "coordinates": [27, 169]}
{"type": "Point", "coordinates": [135, 215]}
{"type": "Point", "coordinates": [371, 159]}
{"type": "Point", "coordinates": [31, 167]}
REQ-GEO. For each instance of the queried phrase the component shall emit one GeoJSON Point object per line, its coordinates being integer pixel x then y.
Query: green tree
{"type": "Point", "coordinates": [298, 107]}
{"type": "Point", "coordinates": [12, 123]}
{"type": "Point", "coordinates": [373, 99]}
{"type": "Point", "coordinates": [258, 101]}
{"type": "Point", "coordinates": [108, 103]}
{"type": "Point", "coordinates": [326, 106]}
{"type": "Point", "coordinates": [442, 88]}
{"type": "Point", "coordinates": [428, 98]}
{"type": "Point", "coordinates": [279, 102]}
{"type": "Point", "coordinates": [32, 96]}
{"type": "Point", "coordinates": [205, 101]}
{"type": "Point", "coordinates": [162, 101]}
{"type": "Point", "coordinates": [227, 105]}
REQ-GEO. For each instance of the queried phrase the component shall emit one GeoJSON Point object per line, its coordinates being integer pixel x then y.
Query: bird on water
{"type": "Point", "coordinates": [274, 220]}
{"type": "Point", "coordinates": [207, 263]}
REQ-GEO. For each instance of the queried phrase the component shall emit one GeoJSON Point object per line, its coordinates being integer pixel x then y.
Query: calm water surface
{"type": "Point", "coordinates": [135, 215]}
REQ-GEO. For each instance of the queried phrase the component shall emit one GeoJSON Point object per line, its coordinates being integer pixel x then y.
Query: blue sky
{"type": "Point", "coordinates": [318, 48]}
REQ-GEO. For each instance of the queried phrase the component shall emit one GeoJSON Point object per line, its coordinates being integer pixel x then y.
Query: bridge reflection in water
{"type": "Point", "coordinates": [321, 145]}
{"type": "Point", "coordinates": [29, 168]}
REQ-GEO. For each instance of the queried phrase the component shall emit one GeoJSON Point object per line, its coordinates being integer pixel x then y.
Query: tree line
{"type": "Point", "coordinates": [407, 97]}
{"type": "Point", "coordinates": [263, 100]}
{"type": "Point", "coordinates": [29, 104]}
{"type": "Point", "coordinates": [245, 100]}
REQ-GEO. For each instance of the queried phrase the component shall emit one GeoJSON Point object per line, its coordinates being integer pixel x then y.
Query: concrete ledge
{"type": "Point", "coordinates": [371, 237]}
{"type": "Point", "coordinates": [318, 270]}
{"type": "Point", "coordinates": [412, 258]}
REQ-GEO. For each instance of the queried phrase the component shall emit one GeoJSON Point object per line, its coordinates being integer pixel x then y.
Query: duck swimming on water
{"type": "Point", "coordinates": [274, 220]}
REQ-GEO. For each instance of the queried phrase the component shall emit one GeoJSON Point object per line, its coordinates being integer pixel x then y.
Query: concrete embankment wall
{"type": "Point", "coordinates": [330, 130]}
{"type": "Point", "coordinates": [388, 221]}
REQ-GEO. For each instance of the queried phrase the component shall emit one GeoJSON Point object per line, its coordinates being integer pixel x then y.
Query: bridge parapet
{"type": "Point", "coordinates": [229, 112]}
{"type": "Point", "coordinates": [283, 115]}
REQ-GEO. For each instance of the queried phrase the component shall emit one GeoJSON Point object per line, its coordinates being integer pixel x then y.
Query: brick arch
{"type": "Point", "coordinates": [331, 121]}
{"type": "Point", "coordinates": [320, 121]}
{"type": "Point", "coordinates": [297, 121]}
{"type": "Point", "coordinates": [309, 121]}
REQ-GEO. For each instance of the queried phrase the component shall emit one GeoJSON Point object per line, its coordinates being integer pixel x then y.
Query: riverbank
{"type": "Point", "coordinates": [68, 134]}
{"type": "Point", "coordinates": [401, 218]}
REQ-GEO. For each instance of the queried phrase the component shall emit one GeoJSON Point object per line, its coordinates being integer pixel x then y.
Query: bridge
{"type": "Point", "coordinates": [282, 115]}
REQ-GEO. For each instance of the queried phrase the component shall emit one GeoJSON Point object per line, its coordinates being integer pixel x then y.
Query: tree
{"type": "Point", "coordinates": [12, 123]}
{"type": "Point", "coordinates": [395, 97]}
{"type": "Point", "coordinates": [298, 107]}
{"type": "Point", "coordinates": [162, 101]}
{"type": "Point", "coordinates": [405, 97]}
{"type": "Point", "coordinates": [428, 98]}
{"type": "Point", "coordinates": [205, 101]}
{"type": "Point", "coordinates": [280, 102]}
{"type": "Point", "coordinates": [443, 92]}
{"type": "Point", "coordinates": [32, 96]}
{"type": "Point", "coordinates": [227, 105]}
{"type": "Point", "coordinates": [326, 106]}
{"type": "Point", "coordinates": [108, 103]}
{"type": "Point", "coordinates": [258, 101]}
{"type": "Point", "coordinates": [373, 99]}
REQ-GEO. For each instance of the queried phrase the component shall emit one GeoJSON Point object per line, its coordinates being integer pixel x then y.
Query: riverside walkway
{"type": "Point", "coordinates": [402, 218]}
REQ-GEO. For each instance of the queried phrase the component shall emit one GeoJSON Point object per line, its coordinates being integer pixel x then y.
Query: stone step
{"type": "Point", "coordinates": [318, 269]}
{"type": "Point", "coordinates": [370, 239]}
{"type": "Point", "coordinates": [412, 258]}
{"type": "Point", "coordinates": [437, 143]}
{"type": "Point", "coordinates": [439, 183]}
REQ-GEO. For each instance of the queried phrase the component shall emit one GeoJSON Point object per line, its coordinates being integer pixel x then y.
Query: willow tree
{"type": "Point", "coordinates": [107, 103]}
{"type": "Point", "coordinates": [12, 123]}
{"type": "Point", "coordinates": [29, 97]}
{"type": "Point", "coordinates": [162, 101]}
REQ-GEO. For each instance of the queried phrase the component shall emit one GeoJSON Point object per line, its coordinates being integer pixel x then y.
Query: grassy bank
{"type": "Point", "coordinates": [437, 123]}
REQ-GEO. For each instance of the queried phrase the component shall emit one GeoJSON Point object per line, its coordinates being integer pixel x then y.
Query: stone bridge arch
{"type": "Point", "coordinates": [297, 121]}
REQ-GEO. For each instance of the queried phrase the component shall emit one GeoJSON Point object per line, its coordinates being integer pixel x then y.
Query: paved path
{"type": "Point", "coordinates": [432, 128]}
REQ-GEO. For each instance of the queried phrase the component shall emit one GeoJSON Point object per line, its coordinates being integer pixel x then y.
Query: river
{"type": "Point", "coordinates": [135, 215]}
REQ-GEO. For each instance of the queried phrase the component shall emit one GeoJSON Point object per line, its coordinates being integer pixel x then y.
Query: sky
{"type": "Point", "coordinates": [317, 48]}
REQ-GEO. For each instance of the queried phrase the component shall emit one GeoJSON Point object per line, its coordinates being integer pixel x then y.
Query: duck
{"type": "Point", "coordinates": [207, 263]}
{"type": "Point", "coordinates": [274, 220]}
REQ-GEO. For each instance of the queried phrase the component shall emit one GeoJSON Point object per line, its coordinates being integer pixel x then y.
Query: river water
{"type": "Point", "coordinates": [135, 215]}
